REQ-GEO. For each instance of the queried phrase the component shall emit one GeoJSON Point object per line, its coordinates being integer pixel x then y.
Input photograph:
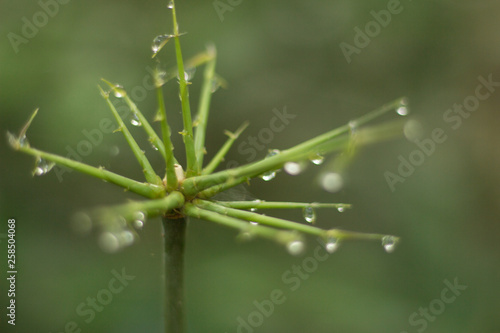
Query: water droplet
{"type": "Point", "coordinates": [413, 130]}
{"type": "Point", "coordinates": [134, 120]}
{"type": "Point", "coordinates": [119, 92]}
{"type": "Point", "coordinates": [109, 242]}
{"type": "Point", "coordinates": [114, 151]}
{"type": "Point", "coordinates": [42, 166]}
{"type": "Point", "coordinates": [254, 223]}
{"type": "Point", "coordinates": [332, 182]}
{"type": "Point", "coordinates": [189, 73]}
{"type": "Point", "coordinates": [353, 126]}
{"type": "Point", "coordinates": [272, 152]}
{"type": "Point", "coordinates": [81, 223]}
{"type": "Point", "coordinates": [160, 76]}
{"type": "Point", "coordinates": [267, 176]}
{"type": "Point", "coordinates": [126, 238]}
{"type": "Point", "coordinates": [139, 220]}
{"type": "Point", "coordinates": [332, 244]}
{"type": "Point", "coordinates": [341, 208]}
{"type": "Point", "coordinates": [170, 5]}
{"type": "Point", "coordinates": [402, 109]}
{"type": "Point", "coordinates": [138, 224]}
{"type": "Point", "coordinates": [253, 209]}
{"type": "Point", "coordinates": [159, 42]}
{"type": "Point", "coordinates": [389, 243]}
{"type": "Point", "coordinates": [215, 85]}
{"type": "Point", "coordinates": [154, 146]}
{"type": "Point", "coordinates": [295, 247]}
{"type": "Point", "coordinates": [317, 159]}
{"type": "Point", "coordinates": [293, 168]}
{"type": "Point", "coordinates": [23, 141]}
{"type": "Point", "coordinates": [309, 214]}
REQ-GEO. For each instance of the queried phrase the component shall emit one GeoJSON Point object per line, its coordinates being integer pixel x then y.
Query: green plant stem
{"type": "Point", "coordinates": [150, 208]}
{"type": "Point", "coordinates": [219, 157]}
{"type": "Point", "coordinates": [281, 236]}
{"type": "Point", "coordinates": [255, 217]}
{"type": "Point", "coordinates": [152, 136]}
{"type": "Point", "coordinates": [144, 189]}
{"type": "Point", "coordinates": [191, 164]}
{"type": "Point", "coordinates": [330, 141]}
{"type": "Point", "coordinates": [259, 204]}
{"type": "Point", "coordinates": [167, 143]}
{"type": "Point", "coordinates": [204, 107]}
{"type": "Point", "coordinates": [148, 170]}
{"type": "Point", "coordinates": [174, 244]}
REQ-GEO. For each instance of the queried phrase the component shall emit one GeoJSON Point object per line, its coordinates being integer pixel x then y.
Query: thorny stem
{"type": "Point", "coordinates": [192, 165]}
{"type": "Point", "coordinates": [174, 241]}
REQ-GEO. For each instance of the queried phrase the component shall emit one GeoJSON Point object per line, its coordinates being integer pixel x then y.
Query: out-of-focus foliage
{"type": "Point", "coordinates": [273, 54]}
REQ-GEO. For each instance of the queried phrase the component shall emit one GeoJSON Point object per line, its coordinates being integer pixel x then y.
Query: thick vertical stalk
{"type": "Point", "coordinates": [174, 239]}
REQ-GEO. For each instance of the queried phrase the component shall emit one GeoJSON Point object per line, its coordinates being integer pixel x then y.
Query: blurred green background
{"type": "Point", "coordinates": [273, 54]}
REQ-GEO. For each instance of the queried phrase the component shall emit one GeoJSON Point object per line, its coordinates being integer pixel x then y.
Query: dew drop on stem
{"type": "Point", "coordinates": [332, 244]}
{"type": "Point", "coordinates": [389, 243]}
{"type": "Point", "coordinates": [215, 85]}
{"type": "Point", "coordinates": [160, 41]}
{"type": "Point", "coordinates": [189, 73]}
{"type": "Point", "coordinates": [269, 175]}
{"type": "Point", "coordinates": [170, 5]}
{"type": "Point", "coordinates": [309, 214]}
{"type": "Point", "coordinates": [134, 120]}
{"type": "Point", "coordinates": [341, 208]}
{"type": "Point", "coordinates": [402, 108]}
{"type": "Point", "coordinates": [119, 92]}
{"type": "Point", "coordinates": [317, 159]}
{"type": "Point", "coordinates": [42, 166]}
{"type": "Point", "coordinates": [23, 141]}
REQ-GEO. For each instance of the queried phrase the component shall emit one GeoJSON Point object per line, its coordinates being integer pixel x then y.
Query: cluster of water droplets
{"type": "Point", "coordinates": [42, 166]}
{"type": "Point", "coordinates": [115, 232]}
{"type": "Point", "coordinates": [269, 175]}
{"type": "Point", "coordinates": [139, 220]}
